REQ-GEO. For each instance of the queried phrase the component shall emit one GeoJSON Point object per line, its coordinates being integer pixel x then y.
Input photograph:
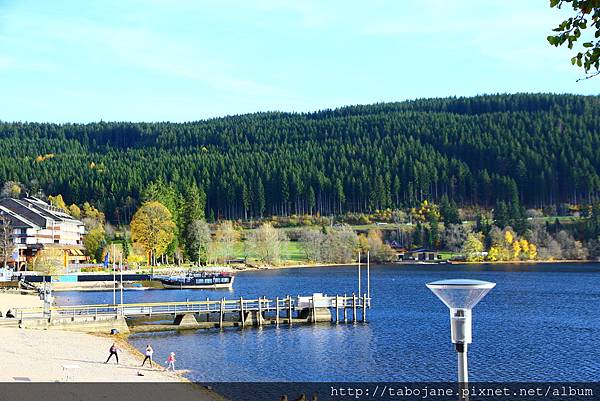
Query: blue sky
{"type": "Point", "coordinates": [170, 60]}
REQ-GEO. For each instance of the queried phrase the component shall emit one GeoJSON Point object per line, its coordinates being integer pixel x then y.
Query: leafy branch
{"type": "Point", "coordinates": [570, 31]}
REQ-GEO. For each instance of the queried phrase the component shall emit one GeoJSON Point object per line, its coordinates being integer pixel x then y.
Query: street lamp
{"type": "Point", "coordinates": [461, 296]}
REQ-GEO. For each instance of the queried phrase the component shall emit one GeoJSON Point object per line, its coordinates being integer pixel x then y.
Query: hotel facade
{"type": "Point", "coordinates": [36, 227]}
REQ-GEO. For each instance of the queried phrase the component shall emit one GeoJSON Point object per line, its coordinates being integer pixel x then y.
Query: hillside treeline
{"type": "Point", "coordinates": [539, 148]}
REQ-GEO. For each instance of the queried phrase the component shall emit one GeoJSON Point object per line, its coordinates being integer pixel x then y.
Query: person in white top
{"type": "Point", "coordinates": [149, 353]}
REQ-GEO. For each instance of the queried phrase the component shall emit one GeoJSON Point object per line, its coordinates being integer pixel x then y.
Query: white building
{"type": "Point", "coordinates": [36, 226]}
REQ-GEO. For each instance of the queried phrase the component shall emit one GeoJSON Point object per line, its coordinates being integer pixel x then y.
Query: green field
{"type": "Point", "coordinates": [291, 252]}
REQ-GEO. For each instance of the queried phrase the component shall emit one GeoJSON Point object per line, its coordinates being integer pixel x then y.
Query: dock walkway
{"type": "Point", "coordinates": [206, 313]}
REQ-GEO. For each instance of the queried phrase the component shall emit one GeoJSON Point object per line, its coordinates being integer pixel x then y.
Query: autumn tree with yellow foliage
{"type": "Point", "coordinates": [426, 211]}
{"type": "Point", "coordinates": [152, 227]}
{"type": "Point", "coordinates": [58, 201]}
{"type": "Point", "coordinates": [501, 249]}
{"type": "Point", "coordinates": [509, 247]}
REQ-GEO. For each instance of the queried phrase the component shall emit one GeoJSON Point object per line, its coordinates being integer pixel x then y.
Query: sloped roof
{"type": "Point", "coordinates": [15, 220]}
{"type": "Point", "coordinates": [36, 211]}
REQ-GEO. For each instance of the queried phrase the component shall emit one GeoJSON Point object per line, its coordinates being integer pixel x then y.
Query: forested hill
{"type": "Point", "coordinates": [542, 148]}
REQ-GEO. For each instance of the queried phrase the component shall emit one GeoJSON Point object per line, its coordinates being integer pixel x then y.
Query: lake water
{"type": "Point", "coordinates": [540, 323]}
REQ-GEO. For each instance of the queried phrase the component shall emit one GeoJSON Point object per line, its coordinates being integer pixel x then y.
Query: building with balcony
{"type": "Point", "coordinates": [37, 226]}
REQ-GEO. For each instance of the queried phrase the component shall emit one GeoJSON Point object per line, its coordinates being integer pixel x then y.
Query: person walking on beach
{"type": "Point", "coordinates": [113, 351]}
{"type": "Point", "coordinates": [149, 353]}
{"type": "Point", "coordinates": [171, 362]}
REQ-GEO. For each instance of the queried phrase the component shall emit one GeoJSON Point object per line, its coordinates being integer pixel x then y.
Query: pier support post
{"type": "Point", "coordinates": [222, 313]}
{"type": "Point", "coordinates": [242, 314]}
{"type": "Point", "coordinates": [353, 308]}
{"type": "Point", "coordinates": [260, 322]}
{"type": "Point", "coordinates": [345, 309]}
{"type": "Point", "coordinates": [289, 300]}
{"type": "Point", "coordinates": [277, 311]}
{"type": "Point", "coordinates": [364, 308]}
{"type": "Point", "coordinates": [314, 309]}
{"type": "Point", "coordinates": [337, 309]}
{"type": "Point", "coordinates": [186, 320]}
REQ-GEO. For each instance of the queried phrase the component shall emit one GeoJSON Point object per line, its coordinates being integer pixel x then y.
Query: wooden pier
{"type": "Point", "coordinates": [207, 313]}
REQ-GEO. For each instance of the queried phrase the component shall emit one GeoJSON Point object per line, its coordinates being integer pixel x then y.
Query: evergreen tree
{"type": "Point", "coordinates": [449, 211]}
{"type": "Point", "coordinates": [418, 235]}
{"type": "Point", "coordinates": [501, 214]}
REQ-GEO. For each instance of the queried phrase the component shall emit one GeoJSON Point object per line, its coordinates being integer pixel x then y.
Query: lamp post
{"type": "Point", "coordinates": [460, 296]}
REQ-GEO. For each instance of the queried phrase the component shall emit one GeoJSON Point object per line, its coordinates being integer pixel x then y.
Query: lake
{"type": "Point", "coordinates": [540, 323]}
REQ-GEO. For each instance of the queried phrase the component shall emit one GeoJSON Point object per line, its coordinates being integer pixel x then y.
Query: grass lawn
{"type": "Point", "coordinates": [291, 252]}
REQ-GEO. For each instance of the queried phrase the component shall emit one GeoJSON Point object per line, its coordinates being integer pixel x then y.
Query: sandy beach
{"type": "Point", "coordinates": [12, 300]}
{"type": "Point", "coordinates": [60, 356]}
{"type": "Point", "coordinates": [42, 355]}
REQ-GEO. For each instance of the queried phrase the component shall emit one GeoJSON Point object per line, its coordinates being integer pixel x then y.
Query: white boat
{"type": "Point", "coordinates": [198, 281]}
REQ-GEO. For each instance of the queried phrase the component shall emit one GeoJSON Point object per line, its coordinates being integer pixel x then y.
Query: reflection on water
{"type": "Point", "coordinates": [539, 323]}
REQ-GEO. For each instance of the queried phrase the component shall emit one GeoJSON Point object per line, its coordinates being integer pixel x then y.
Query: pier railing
{"type": "Point", "coordinates": [341, 304]}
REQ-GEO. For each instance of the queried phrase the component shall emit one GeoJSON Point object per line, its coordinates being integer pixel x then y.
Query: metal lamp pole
{"type": "Point", "coordinates": [359, 286]}
{"type": "Point", "coordinates": [121, 270]}
{"type": "Point", "coordinates": [114, 276]}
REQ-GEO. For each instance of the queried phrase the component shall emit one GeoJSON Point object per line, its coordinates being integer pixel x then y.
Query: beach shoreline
{"type": "Point", "coordinates": [38, 355]}
{"type": "Point", "coordinates": [93, 286]}
{"type": "Point", "coordinates": [417, 263]}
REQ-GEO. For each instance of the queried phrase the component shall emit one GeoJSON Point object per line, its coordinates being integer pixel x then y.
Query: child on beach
{"type": "Point", "coordinates": [171, 362]}
{"type": "Point", "coordinates": [149, 353]}
{"type": "Point", "coordinates": [113, 351]}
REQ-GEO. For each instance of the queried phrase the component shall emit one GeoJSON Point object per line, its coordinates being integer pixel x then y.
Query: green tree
{"type": "Point", "coordinates": [197, 241]}
{"type": "Point", "coordinates": [125, 248]}
{"type": "Point", "coordinates": [449, 211]}
{"type": "Point", "coordinates": [92, 240]}
{"type": "Point", "coordinates": [473, 247]}
{"type": "Point", "coordinates": [418, 234]}
{"type": "Point", "coordinates": [433, 232]}
{"type": "Point", "coordinates": [501, 214]}
{"type": "Point", "coordinates": [195, 202]}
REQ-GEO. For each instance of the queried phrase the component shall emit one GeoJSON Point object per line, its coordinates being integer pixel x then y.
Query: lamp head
{"type": "Point", "coordinates": [461, 293]}
{"type": "Point", "coordinates": [460, 296]}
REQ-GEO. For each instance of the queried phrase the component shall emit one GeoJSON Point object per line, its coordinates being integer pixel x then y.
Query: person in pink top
{"type": "Point", "coordinates": [171, 362]}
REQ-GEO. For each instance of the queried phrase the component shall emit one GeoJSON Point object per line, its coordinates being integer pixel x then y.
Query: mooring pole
{"type": "Point", "coordinates": [242, 317]}
{"type": "Point", "coordinates": [364, 308]}
{"type": "Point", "coordinates": [353, 308]}
{"type": "Point", "coordinates": [222, 313]}
{"type": "Point", "coordinates": [359, 272]}
{"type": "Point", "coordinates": [337, 309]}
{"type": "Point", "coordinates": [314, 309]}
{"type": "Point", "coordinates": [114, 276]}
{"type": "Point", "coordinates": [368, 279]}
{"type": "Point", "coordinates": [289, 298]}
{"type": "Point", "coordinates": [277, 311]}
{"type": "Point", "coordinates": [345, 309]}
{"type": "Point", "coordinates": [121, 271]}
